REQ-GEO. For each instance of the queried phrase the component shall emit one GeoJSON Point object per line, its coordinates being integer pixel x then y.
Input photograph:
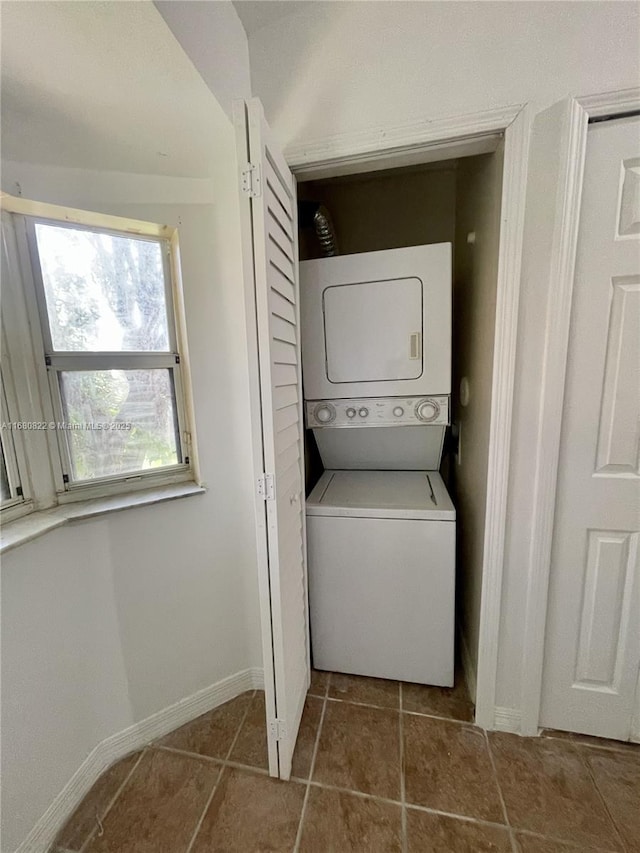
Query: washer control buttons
{"type": "Point", "coordinates": [324, 413]}
{"type": "Point", "coordinates": [378, 411]}
{"type": "Point", "coordinates": [427, 410]}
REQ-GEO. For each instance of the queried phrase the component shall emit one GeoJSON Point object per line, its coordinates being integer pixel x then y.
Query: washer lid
{"type": "Point", "coordinates": [381, 494]}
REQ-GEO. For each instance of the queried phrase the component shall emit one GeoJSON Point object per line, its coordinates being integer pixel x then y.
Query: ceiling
{"type": "Point", "coordinates": [256, 14]}
{"type": "Point", "coordinates": [102, 85]}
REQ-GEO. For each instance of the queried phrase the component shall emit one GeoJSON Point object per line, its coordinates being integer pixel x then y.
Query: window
{"type": "Point", "coordinates": [14, 490]}
{"type": "Point", "coordinates": [102, 304]}
{"type": "Point", "coordinates": [11, 493]}
{"type": "Point", "coordinates": [109, 343]}
{"type": "Point", "coordinates": [5, 488]}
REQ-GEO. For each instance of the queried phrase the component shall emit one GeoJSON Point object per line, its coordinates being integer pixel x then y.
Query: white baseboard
{"type": "Point", "coordinates": [504, 719]}
{"type": "Point", "coordinates": [468, 667]}
{"type": "Point", "coordinates": [507, 720]}
{"type": "Point", "coordinates": [115, 747]}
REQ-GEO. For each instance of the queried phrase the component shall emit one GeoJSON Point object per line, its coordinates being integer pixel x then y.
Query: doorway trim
{"type": "Point", "coordinates": [395, 146]}
{"type": "Point", "coordinates": [547, 449]}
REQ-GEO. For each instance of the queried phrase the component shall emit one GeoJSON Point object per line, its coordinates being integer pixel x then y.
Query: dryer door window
{"type": "Point", "coordinates": [373, 330]}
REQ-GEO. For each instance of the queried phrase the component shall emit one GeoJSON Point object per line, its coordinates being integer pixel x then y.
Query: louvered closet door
{"type": "Point", "coordinates": [270, 189]}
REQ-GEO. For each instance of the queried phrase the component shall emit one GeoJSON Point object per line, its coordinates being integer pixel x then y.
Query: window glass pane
{"type": "Point", "coordinates": [103, 292]}
{"type": "Point", "coordinates": [119, 421]}
{"type": "Point", "coordinates": [5, 489]}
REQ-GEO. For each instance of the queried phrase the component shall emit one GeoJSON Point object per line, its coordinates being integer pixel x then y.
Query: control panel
{"type": "Point", "coordinates": [378, 411]}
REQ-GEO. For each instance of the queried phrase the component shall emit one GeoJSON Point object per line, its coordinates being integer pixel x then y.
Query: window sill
{"type": "Point", "coordinates": [15, 533]}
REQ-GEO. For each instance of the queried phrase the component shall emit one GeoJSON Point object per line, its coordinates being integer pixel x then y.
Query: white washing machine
{"type": "Point", "coordinates": [381, 558]}
{"type": "Point", "coordinates": [377, 324]}
{"type": "Point", "coordinates": [397, 433]}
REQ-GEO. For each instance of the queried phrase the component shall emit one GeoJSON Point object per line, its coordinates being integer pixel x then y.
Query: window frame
{"type": "Point", "coordinates": [12, 448]}
{"type": "Point", "coordinates": [44, 403]}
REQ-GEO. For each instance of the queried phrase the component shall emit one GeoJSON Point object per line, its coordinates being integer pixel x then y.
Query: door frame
{"type": "Point", "coordinates": [396, 146]}
{"type": "Point", "coordinates": [559, 285]}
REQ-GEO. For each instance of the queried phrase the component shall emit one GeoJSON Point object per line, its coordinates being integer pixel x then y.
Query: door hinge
{"type": "Point", "coordinates": [266, 489]}
{"type": "Point", "coordinates": [278, 729]}
{"type": "Point", "coordinates": [251, 182]}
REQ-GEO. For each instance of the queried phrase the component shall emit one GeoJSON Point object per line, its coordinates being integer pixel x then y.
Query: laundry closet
{"type": "Point", "coordinates": [398, 274]}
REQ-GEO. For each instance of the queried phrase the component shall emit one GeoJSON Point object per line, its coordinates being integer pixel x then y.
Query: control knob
{"type": "Point", "coordinates": [398, 412]}
{"type": "Point", "coordinates": [427, 410]}
{"type": "Point", "coordinates": [363, 412]}
{"type": "Point", "coordinates": [351, 413]}
{"type": "Point", "coordinates": [324, 413]}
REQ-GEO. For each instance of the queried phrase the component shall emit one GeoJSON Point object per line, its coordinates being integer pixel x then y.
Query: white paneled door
{"type": "Point", "coordinates": [270, 259]}
{"type": "Point", "coordinates": [592, 653]}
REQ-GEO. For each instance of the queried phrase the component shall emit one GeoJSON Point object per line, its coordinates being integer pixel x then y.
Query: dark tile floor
{"type": "Point", "coordinates": [379, 767]}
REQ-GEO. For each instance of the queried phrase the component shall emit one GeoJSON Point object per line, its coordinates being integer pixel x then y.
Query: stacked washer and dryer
{"type": "Point", "coordinates": [376, 357]}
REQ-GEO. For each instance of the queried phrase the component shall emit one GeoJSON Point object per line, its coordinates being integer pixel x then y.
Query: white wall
{"type": "Point", "coordinates": [332, 68]}
{"type": "Point", "coordinates": [335, 68]}
{"type": "Point", "coordinates": [479, 186]}
{"type": "Point", "coordinates": [64, 683]}
{"type": "Point", "coordinates": [107, 621]}
{"type": "Point", "coordinates": [104, 85]}
{"type": "Point", "coordinates": [214, 39]}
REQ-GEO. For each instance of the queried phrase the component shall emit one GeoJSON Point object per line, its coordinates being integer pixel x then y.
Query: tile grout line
{"type": "Point", "coordinates": [440, 717]}
{"type": "Point", "coordinates": [595, 747]}
{"type": "Point", "coordinates": [512, 835]}
{"type": "Point", "coordinates": [620, 746]}
{"type": "Point", "coordinates": [219, 777]}
{"type": "Point", "coordinates": [412, 713]}
{"type": "Point", "coordinates": [240, 725]}
{"type": "Point", "coordinates": [403, 813]}
{"type": "Point", "coordinates": [312, 765]}
{"type": "Point", "coordinates": [413, 806]}
{"type": "Point", "coordinates": [602, 800]}
{"type": "Point", "coordinates": [204, 811]}
{"type": "Point", "coordinates": [112, 802]}
{"type": "Point", "coordinates": [238, 765]}
{"type": "Point", "coordinates": [515, 845]}
{"type": "Point", "coordinates": [210, 759]}
{"type": "Point", "coordinates": [567, 842]}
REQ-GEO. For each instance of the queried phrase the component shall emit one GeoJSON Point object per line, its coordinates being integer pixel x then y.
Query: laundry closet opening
{"type": "Point", "coordinates": [449, 201]}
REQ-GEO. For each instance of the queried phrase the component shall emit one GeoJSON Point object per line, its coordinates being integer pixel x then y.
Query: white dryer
{"type": "Point", "coordinates": [381, 556]}
{"type": "Point", "coordinates": [377, 324]}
